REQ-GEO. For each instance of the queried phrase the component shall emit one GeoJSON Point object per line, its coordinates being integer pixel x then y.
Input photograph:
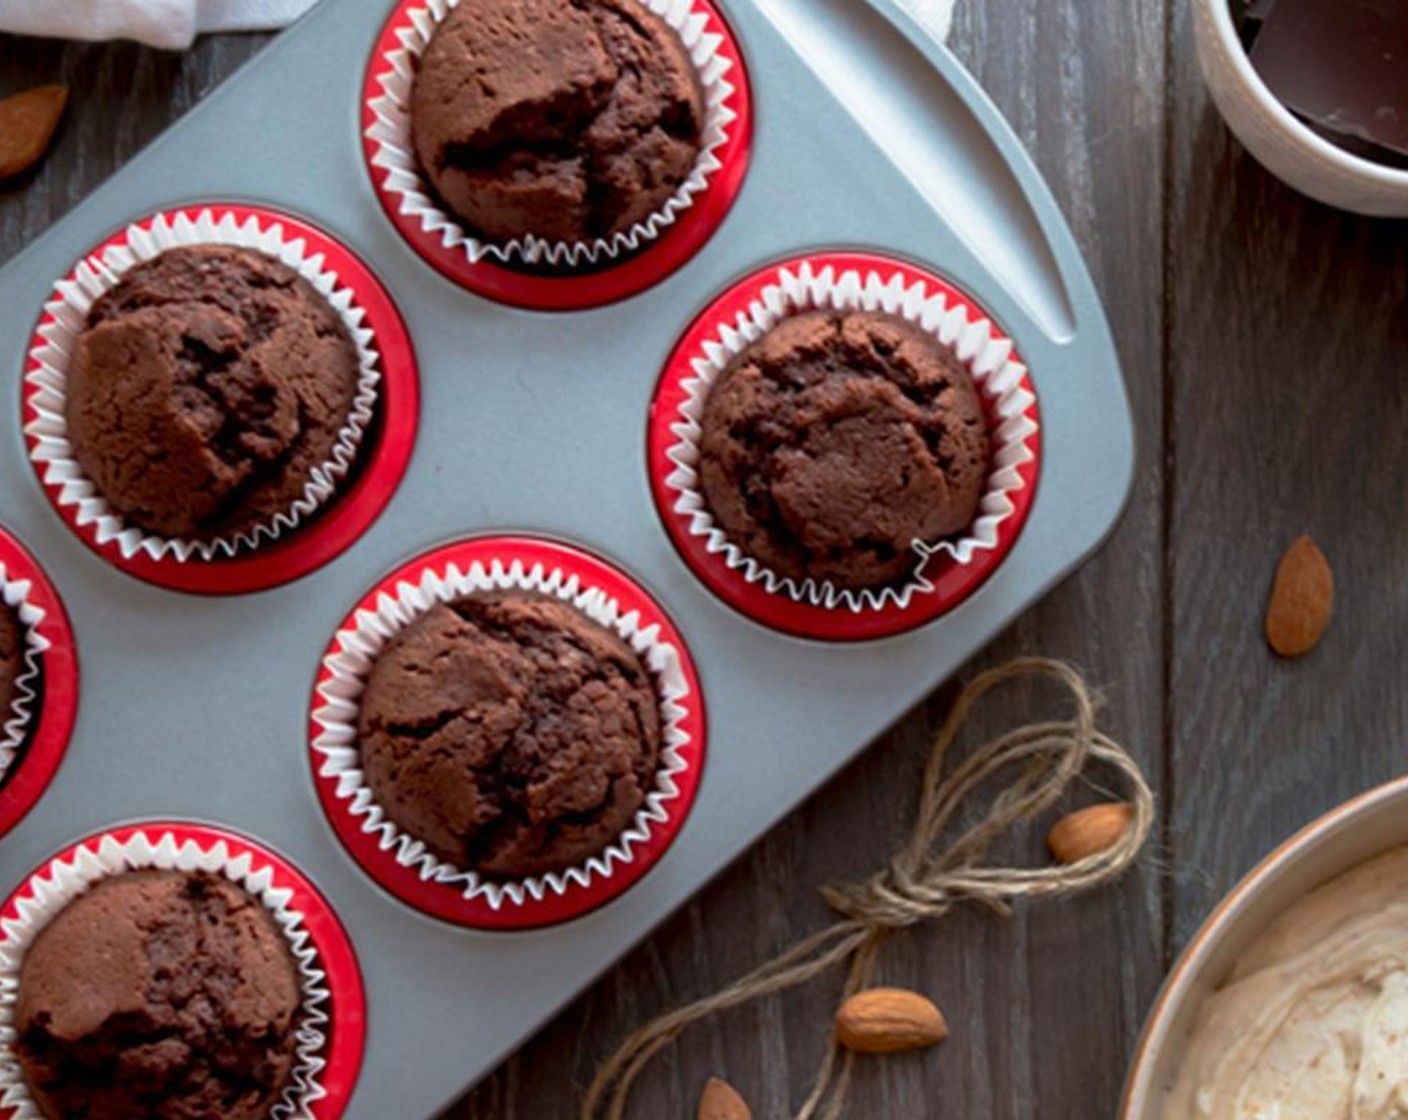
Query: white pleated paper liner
{"type": "Point", "coordinates": [35, 730]}
{"type": "Point", "coordinates": [400, 862]}
{"type": "Point", "coordinates": [322, 1074]}
{"type": "Point", "coordinates": [412, 201]}
{"type": "Point", "coordinates": [65, 315]}
{"type": "Point", "coordinates": [17, 720]}
{"type": "Point", "coordinates": [845, 281]}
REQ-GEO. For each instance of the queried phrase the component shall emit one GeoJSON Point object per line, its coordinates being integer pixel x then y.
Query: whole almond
{"type": "Point", "coordinates": [722, 1102]}
{"type": "Point", "coordinates": [889, 1020]}
{"type": "Point", "coordinates": [27, 123]}
{"type": "Point", "coordinates": [1090, 831]}
{"type": "Point", "coordinates": [1302, 600]}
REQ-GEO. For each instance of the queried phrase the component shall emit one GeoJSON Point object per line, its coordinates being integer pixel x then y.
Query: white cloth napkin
{"type": "Point", "coordinates": [937, 15]}
{"type": "Point", "coordinates": [175, 23]}
{"type": "Point", "coordinates": [159, 23]}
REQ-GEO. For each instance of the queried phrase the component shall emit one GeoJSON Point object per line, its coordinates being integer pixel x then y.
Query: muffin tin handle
{"type": "Point", "coordinates": [952, 143]}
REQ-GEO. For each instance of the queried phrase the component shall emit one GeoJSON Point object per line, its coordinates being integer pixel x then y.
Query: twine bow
{"type": "Point", "coordinates": [923, 881]}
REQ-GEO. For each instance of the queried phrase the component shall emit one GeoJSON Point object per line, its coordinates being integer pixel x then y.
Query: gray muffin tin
{"type": "Point", "coordinates": [868, 135]}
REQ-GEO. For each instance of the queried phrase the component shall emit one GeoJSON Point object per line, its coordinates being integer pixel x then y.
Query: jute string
{"type": "Point", "coordinates": [924, 881]}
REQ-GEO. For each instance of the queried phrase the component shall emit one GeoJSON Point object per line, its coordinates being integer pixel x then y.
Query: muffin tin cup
{"type": "Point", "coordinates": [35, 731]}
{"type": "Point", "coordinates": [332, 1030]}
{"type": "Point", "coordinates": [945, 573]}
{"type": "Point", "coordinates": [399, 862]}
{"type": "Point", "coordinates": [343, 496]}
{"type": "Point", "coordinates": [528, 271]}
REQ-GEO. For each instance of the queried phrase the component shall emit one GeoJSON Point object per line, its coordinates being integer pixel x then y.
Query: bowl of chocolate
{"type": "Point", "coordinates": [1317, 90]}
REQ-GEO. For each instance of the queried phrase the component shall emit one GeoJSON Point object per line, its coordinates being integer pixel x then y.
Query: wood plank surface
{"type": "Point", "coordinates": [122, 97]}
{"type": "Point", "coordinates": [1263, 338]}
{"type": "Point", "coordinates": [1288, 382]}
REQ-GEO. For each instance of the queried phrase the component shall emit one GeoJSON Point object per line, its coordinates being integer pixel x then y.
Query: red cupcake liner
{"type": "Point", "coordinates": [375, 844]}
{"type": "Point", "coordinates": [382, 456]}
{"type": "Point", "coordinates": [346, 1005]}
{"type": "Point", "coordinates": [581, 289]}
{"type": "Point", "coordinates": [50, 725]}
{"type": "Point", "coordinates": [951, 581]}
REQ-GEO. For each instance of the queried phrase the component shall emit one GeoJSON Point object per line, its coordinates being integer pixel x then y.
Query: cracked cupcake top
{"type": "Point", "coordinates": [158, 995]}
{"type": "Point", "coordinates": [209, 385]}
{"type": "Point", "coordinates": [839, 439]}
{"type": "Point", "coordinates": [567, 119]}
{"type": "Point", "coordinates": [510, 733]}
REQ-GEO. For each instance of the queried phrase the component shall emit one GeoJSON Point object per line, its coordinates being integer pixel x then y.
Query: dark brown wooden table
{"type": "Point", "coordinates": [1265, 341]}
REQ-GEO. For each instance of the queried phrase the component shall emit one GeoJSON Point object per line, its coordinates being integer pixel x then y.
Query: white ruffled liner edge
{"type": "Point", "coordinates": [355, 650]}
{"type": "Point", "coordinates": [67, 312]}
{"type": "Point", "coordinates": [985, 351]}
{"type": "Point", "coordinates": [395, 151]}
{"type": "Point", "coordinates": [17, 720]}
{"type": "Point", "coordinates": [61, 881]}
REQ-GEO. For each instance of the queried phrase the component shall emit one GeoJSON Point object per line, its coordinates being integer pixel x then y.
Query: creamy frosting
{"type": "Point", "coordinates": [1313, 1022]}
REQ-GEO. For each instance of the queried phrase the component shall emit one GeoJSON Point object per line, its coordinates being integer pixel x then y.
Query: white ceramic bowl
{"type": "Point", "coordinates": [1273, 134]}
{"type": "Point", "coordinates": [1342, 839]}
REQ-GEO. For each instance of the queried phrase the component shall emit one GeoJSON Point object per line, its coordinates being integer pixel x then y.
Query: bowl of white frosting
{"type": "Point", "coordinates": [1291, 1003]}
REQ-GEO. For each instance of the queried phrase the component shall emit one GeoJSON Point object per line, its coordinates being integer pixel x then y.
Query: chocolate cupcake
{"type": "Point", "coordinates": [158, 994]}
{"type": "Point", "coordinates": [11, 661]}
{"type": "Point", "coordinates": [839, 440]}
{"type": "Point", "coordinates": [510, 734]}
{"type": "Point", "coordinates": [209, 392]}
{"type": "Point", "coordinates": [570, 122]}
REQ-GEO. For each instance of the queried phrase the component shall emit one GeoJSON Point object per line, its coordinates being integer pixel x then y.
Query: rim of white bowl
{"type": "Point", "coordinates": [1231, 41]}
{"type": "Point", "coordinates": [1140, 1089]}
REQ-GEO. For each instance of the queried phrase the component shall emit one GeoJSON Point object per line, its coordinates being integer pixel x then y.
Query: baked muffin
{"type": "Point", "coordinates": [836, 441]}
{"type": "Point", "coordinates": [11, 659]}
{"type": "Point", "coordinates": [208, 386]}
{"type": "Point", "coordinates": [158, 995]}
{"type": "Point", "coordinates": [510, 733]}
{"type": "Point", "coordinates": [570, 121]}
